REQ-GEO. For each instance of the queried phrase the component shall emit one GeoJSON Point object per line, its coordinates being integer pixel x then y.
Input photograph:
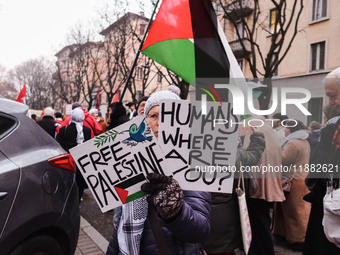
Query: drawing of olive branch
{"type": "Point", "coordinates": [106, 137]}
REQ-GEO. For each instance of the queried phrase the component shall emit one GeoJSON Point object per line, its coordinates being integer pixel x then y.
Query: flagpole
{"type": "Point", "coordinates": [138, 52]}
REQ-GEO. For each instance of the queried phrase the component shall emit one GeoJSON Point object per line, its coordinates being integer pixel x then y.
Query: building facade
{"type": "Point", "coordinates": [312, 54]}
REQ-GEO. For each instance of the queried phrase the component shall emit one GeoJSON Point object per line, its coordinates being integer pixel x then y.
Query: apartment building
{"type": "Point", "coordinates": [100, 69]}
{"type": "Point", "coordinates": [313, 53]}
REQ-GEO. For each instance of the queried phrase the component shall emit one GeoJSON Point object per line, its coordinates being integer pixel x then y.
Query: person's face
{"type": "Point", "coordinates": [132, 107]}
{"type": "Point", "coordinates": [152, 119]}
{"type": "Point", "coordinates": [276, 123]}
{"type": "Point", "coordinates": [141, 108]}
{"type": "Point", "coordinates": [332, 89]}
{"type": "Point", "coordinates": [95, 115]}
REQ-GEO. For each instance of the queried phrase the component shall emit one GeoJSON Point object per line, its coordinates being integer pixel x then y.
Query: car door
{"type": "Point", "coordinates": [9, 172]}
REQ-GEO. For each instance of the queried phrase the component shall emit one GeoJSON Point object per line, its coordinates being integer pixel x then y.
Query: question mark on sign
{"type": "Point", "coordinates": [222, 179]}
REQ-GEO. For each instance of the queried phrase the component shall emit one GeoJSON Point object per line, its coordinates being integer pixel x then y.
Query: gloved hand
{"type": "Point", "coordinates": [166, 195]}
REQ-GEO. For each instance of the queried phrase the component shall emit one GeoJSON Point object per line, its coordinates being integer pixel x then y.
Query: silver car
{"type": "Point", "coordinates": [39, 210]}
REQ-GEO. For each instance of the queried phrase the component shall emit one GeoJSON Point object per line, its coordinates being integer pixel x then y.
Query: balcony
{"type": "Point", "coordinates": [239, 8]}
{"type": "Point", "coordinates": [238, 50]}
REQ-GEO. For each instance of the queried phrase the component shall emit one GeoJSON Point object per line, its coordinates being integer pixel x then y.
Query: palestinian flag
{"type": "Point", "coordinates": [187, 38]}
{"type": "Point", "coordinates": [129, 190]}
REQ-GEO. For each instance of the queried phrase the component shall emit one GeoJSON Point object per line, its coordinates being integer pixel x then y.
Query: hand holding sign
{"type": "Point", "coordinates": [166, 195]}
{"type": "Point", "coordinates": [116, 163]}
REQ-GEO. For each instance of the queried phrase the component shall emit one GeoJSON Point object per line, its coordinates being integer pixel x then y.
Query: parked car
{"type": "Point", "coordinates": [39, 209]}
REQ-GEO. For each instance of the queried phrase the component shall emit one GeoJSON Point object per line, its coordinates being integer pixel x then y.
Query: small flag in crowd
{"type": "Point", "coordinates": [98, 100]}
{"type": "Point", "coordinates": [22, 94]}
{"type": "Point", "coordinates": [187, 38]}
{"type": "Point", "coordinates": [116, 97]}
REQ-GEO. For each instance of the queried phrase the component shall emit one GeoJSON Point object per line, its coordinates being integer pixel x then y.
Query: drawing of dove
{"type": "Point", "coordinates": [136, 134]}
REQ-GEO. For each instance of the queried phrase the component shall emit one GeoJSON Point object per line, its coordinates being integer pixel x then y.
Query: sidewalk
{"type": "Point", "coordinates": [90, 242]}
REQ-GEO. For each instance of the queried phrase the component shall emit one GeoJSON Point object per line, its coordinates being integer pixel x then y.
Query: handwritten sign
{"type": "Point", "coordinates": [200, 152]}
{"type": "Point", "coordinates": [115, 163]}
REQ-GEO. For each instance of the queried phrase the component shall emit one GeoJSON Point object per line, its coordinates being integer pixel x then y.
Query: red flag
{"type": "Point", "coordinates": [22, 94]}
{"type": "Point", "coordinates": [98, 100]}
{"type": "Point", "coordinates": [116, 97]}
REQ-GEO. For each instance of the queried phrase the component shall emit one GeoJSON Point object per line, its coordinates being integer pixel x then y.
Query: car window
{"type": "Point", "coordinates": [7, 124]}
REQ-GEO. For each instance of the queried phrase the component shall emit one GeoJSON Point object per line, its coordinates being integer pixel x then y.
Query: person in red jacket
{"type": "Point", "coordinates": [89, 121]}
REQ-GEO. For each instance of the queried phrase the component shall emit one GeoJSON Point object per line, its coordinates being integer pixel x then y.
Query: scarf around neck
{"type": "Point", "coordinates": [77, 117]}
{"type": "Point", "coordinates": [299, 135]}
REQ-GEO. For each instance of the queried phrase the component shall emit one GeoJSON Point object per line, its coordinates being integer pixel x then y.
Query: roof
{"type": "Point", "coordinates": [128, 15]}
{"type": "Point", "coordinates": [75, 47]}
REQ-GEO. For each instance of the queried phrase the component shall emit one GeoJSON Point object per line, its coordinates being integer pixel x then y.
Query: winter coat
{"type": "Point", "coordinates": [49, 125]}
{"type": "Point", "coordinates": [316, 241]}
{"type": "Point", "coordinates": [225, 233]}
{"type": "Point", "coordinates": [313, 141]}
{"type": "Point", "coordinates": [68, 139]}
{"type": "Point", "coordinates": [270, 187]}
{"type": "Point", "coordinates": [89, 122]}
{"type": "Point", "coordinates": [291, 216]}
{"type": "Point", "coordinates": [183, 234]}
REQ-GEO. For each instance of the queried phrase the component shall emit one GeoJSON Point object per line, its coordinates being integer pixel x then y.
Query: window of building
{"type": "Point", "coordinates": [138, 94]}
{"type": "Point", "coordinates": [239, 30]}
{"type": "Point", "coordinates": [159, 77]}
{"type": "Point", "coordinates": [318, 56]}
{"type": "Point", "coordinates": [275, 58]}
{"type": "Point", "coordinates": [142, 29]}
{"type": "Point", "coordinates": [240, 63]}
{"type": "Point", "coordinates": [273, 27]}
{"type": "Point", "coordinates": [315, 108]}
{"type": "Point", "coordinates": [319, 9]}
{"type": "Point", "coordinates": [139, 74]}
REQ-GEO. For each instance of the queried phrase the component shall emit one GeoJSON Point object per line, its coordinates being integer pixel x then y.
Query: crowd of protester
{"type": "Point", "coordinates": [287, 205]}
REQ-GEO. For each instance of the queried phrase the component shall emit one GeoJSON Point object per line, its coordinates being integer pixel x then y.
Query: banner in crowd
{"type": "Point", "coordinates": [115, 163]}
{"type": "Point", "coordinates": [200, 149]}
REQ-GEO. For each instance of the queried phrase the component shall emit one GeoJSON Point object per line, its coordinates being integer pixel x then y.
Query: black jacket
{"type": "Point", "coordinates": [67, 136]}
{"type": "Point", "coordinates": [48, 124]}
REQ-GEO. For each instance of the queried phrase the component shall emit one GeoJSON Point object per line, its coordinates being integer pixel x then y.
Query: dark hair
{"type": "Point", "coordinates": [299, 126]}
{"type": "Point", "coordinates": [280, 116]}
{"type": "Point", "coordinates": [75, 105]}
{"type": "Point", "coordinates": [33, 116]}
{"type": "Point", "coordinates": [118, 111]}
{"type": "Point", "coordinates": [129, 104]}
{"type": "Point", "coordinates": [58, 115]}
{"type": "Point", "coordinates": [142, 99]}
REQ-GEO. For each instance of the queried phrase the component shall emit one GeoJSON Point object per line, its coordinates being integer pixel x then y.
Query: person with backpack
{"type": "Point", "coordinates": [72, 135]}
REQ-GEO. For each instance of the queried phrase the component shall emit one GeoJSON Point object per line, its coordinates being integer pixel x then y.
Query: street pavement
{"type": "Point", "coordinates": [96, 229]}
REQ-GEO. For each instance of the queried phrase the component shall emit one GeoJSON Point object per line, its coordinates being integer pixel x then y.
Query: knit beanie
{"type": "Point", "coordinates": [76, 105]}
{"type": "Point", "coordinates": [93, 111]}
{"type": "Point", "coordinates": [156, 97]}
{"type": "Point", "coordinates": [48, 111]}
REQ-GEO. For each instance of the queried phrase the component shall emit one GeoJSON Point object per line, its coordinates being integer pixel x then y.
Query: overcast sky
{"type": "Point", "coordinates": [34, 28]}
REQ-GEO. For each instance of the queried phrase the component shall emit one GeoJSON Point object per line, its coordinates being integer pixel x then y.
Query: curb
{"type": "Point", "coordinates": [96, 237]}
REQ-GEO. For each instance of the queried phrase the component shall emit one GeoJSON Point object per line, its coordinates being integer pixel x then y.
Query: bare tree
{"type": "Point", "coordinates": [122, 40]}
{"type": "Point", "coordinates": [77, 75]}
{"type": "Point", "coordinates": [37, 74]}
{"type": "Point", "coordinates": [7, 86]}
{"type": "Point", "coordinates": [281, 25]}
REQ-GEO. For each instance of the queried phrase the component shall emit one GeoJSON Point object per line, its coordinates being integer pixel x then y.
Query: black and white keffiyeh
{"type": "Point", "coordinates": [131, 225]}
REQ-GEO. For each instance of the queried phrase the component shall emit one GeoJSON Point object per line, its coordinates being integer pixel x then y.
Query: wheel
{"type": "Point", "coordinates": [38, 245]}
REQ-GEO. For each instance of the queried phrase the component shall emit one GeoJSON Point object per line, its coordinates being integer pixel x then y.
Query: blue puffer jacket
{"type": "Point", "coordinates": [184, 234]}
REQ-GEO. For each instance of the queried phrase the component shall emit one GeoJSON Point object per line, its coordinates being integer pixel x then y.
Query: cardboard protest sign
{"type": "Point", "coordinates": [115, 163]}
{"type": "Point", "coordinates": [200, 149]}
